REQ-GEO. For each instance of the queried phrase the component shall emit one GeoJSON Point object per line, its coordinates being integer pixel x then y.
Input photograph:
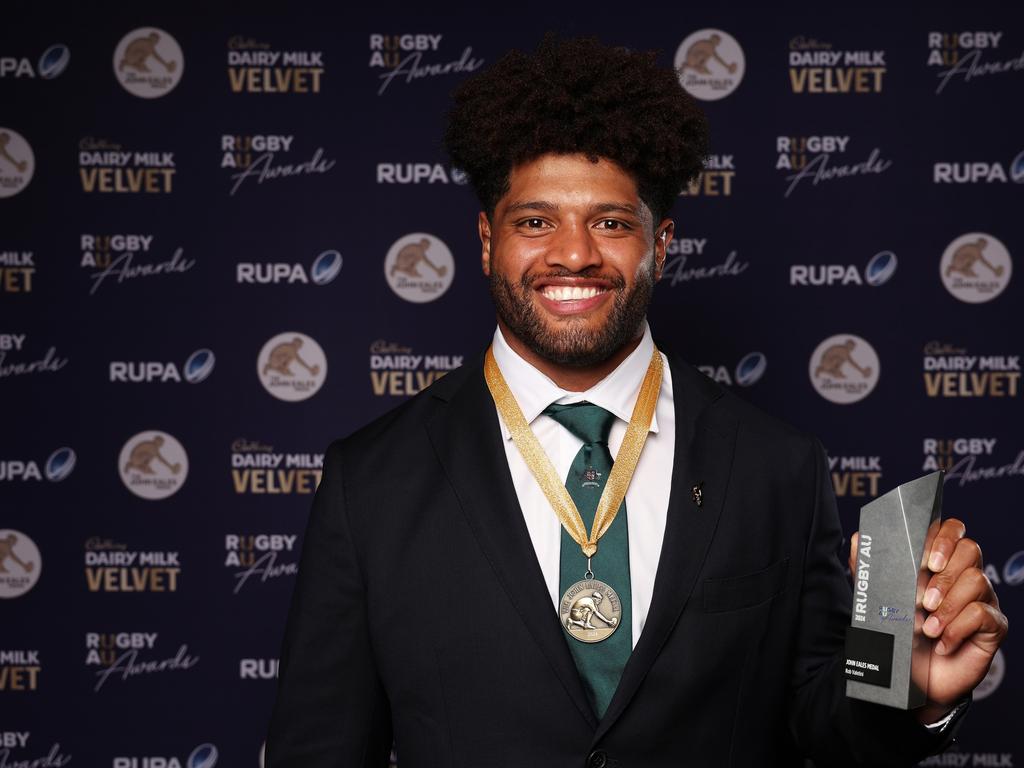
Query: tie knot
{"type": "Point", "coordinates": [590, 423]}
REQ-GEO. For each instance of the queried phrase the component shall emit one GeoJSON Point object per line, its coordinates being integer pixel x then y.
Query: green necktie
{"type": "Point", "coordinates": [600, 664]}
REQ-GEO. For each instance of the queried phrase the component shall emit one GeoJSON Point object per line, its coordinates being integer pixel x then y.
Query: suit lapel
{"type": "Point", "coordinates": [467, 439]}
{"type": "Point", "coordinates": [704, 445]}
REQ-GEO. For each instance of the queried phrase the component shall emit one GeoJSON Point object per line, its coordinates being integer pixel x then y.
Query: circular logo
{"type": "Point", "coordinates": [153, 464]}
{"type": "Point", "coordinates": [880, 268]}
{"type": "Point", "coordinates": [710, 64]}
{"type": "Point", "coordinates": [60, 464]}
{"type": "Point", "coordinates": [1017, 169]}
{"type": "Point", "coordinates": [326, 267]}
{"type": "Point", "coordinates": [994, 678]}
{"type": "Point", "coordinates": [590, 610]}
{"type": "Point", "coordinates": [419, 267]}
{"type": "Point", "coordinates": [1013, 571]}
{"type": "Point", "coordinates": [21, 563]}
{"type": "Point", "coordinates": [54, 61]}
{"type": "Point", "coordinates": [975, 267]}
{"type": "Point", "coordinates": [751, 368]}
{"type": "Point", "coordinates": [17, 163]}
{"type": "Point", "coordinates": [148, 62]}
{"type": "Point", "coordinates": [203, 756]}
{"type": "Point", "coordinates": [292, 366]}
{"type": "Point", "coordinates": [459, 176]}
{"type": "Point", "coordinates": [844, 368]}
{"type": "Point", "coordinates": [199, 366]}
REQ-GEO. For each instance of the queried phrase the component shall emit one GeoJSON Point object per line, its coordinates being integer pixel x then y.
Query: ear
{"type": "Point", "coordinates": [483, 228]}
{"type": "Point", "coordinates": [662, 236]}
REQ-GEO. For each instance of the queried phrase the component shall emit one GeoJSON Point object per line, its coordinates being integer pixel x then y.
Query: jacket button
{"type": "Point", "coordinates": [598, 759]}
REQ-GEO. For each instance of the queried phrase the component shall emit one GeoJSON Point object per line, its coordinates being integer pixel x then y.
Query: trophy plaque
{"type": "Point", "coordinates": [887, 654]}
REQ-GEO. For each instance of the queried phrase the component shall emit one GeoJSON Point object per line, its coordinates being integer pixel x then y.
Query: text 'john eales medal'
{"type": "Point", "coordinates": [590, 609]}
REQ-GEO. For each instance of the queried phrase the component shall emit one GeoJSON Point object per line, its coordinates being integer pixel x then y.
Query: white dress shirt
{"type": "Point", "coordinates": [647, 495]}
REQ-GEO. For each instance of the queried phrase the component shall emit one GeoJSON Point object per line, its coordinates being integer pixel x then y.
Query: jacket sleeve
{"type": "Point", "coordinates": [826, 725]}
{"type": "Point", "coordinates": [331, 709]}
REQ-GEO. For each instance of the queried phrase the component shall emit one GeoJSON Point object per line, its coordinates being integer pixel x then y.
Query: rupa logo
{"type": "Point", "coordinates": [53, 61]}
{"type": "Point", "coordinates": [978, 172]}
{"type": "Point", "coordinates": [57, 467]}
{"type": "Point", "coordinates": [877, 271]}
{"type": "Point", "coordinates": [747, 372]}
{"type": "Point", "coordinates": [418, 173]}
{"type": "Point", "coordinates": [203, 756]}
{"type": "Point", "coordinates": [196, 368]}
{"type": "Point", "coordinates": [321, 271]}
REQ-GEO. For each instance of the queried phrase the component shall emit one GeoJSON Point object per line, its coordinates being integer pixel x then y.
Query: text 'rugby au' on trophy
{"type": "Point", "coordinates": [887, 653]}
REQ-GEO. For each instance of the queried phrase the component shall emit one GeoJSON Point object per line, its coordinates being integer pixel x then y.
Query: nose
{"type": "Point", "coordinates": [574, 248]}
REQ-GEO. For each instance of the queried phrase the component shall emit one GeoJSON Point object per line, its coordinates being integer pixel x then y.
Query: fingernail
{"type": "Point", "coordinates": [937, 561]}
{"type": "Point", "coordinates": [931, 627]}
{"type": "Point", "coordinates": [931, 599]}
{"type": "Point", "coordinates": [940, 648]}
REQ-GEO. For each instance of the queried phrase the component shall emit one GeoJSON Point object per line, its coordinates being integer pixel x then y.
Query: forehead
{"type": "Point", "coordinates": [571, 179]}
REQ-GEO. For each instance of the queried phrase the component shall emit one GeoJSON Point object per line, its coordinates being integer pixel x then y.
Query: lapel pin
{"type": "Point", "coordinates": [697, 493]}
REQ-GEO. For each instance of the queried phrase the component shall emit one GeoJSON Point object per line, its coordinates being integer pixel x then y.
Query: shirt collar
{"type": "Point", "coordinates": [534, 391]}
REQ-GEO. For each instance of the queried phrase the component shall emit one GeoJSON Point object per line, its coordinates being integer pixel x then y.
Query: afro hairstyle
{"type": "Point", "coordinates": [578, 96]}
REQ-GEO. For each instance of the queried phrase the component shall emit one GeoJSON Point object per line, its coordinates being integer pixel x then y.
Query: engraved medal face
{"type": "Point", "coordinates": [590, 610]}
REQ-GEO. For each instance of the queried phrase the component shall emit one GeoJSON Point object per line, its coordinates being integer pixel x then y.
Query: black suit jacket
{"type": "Point", "coordinates": [421, 614]}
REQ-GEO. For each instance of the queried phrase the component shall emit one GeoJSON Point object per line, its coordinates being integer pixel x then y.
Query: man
{"type": "Point", "coordinates": [457, 599]}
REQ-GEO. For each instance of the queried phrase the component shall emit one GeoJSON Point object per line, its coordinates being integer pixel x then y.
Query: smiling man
{"type": "Point", "coordinates": [595, 556]}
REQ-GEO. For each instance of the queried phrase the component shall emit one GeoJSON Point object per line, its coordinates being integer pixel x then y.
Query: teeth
{"type": "Point", "coordinates": [567, 293]}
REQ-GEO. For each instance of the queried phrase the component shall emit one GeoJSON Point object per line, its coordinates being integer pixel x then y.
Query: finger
{"type": "Point", "coordinates": [852, 561]}
{"type": "Point", "coordinates": [971, 587]}
{"type": "Point", "coordinates": [949, 534]}
{"type": "Point", "coordinates": [982, 624]}
{"type": "Point", "coordinates": [966, 555]}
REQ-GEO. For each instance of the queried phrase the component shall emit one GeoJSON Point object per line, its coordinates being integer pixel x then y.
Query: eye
{"type": "Point", "coordinates": [612, 225]}
{"type": "Point", "coordinates": [533, 222]}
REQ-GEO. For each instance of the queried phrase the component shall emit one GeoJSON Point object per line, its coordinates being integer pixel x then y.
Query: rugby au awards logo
{"type": "Point", "coordinates": [148, 62]}
{"type": "Point", "coordinates": [153, 465]}
{"type": "Point", "coordinates": [419, 267]}
{"type": "Point", "coordinates": [844, 368]}
{"type": "Point", "coordinates": [292, 366]}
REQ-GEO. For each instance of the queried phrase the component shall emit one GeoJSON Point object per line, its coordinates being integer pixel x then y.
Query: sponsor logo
{"type": "Point", "coordinates": [321, 271]}
{"type": "Point", "coordinates": [811, 158]}
{"type": "Point", "coordinates": [257, 468]}
{"type": "Point", "coordinates": [57, 467]}
{"type": "Point", "coordinates": [14, 740]}
{"type": "Point", "coordinates": [419, 267]}
{"type": "Point", "coordinates": [396, 371]}
{"type": "Point", "coordinates": [17, 162]}
{"type": "Point", "coordinates": [292, 366]}
{"type": "Point", "coordinates": [715, 180]}
{"type": "Point", "coordinates": [710, 64]}
{"type": "Point", "coordinates": [258, 669]}
{"type": "Point", "coordinates": [418, 173]}
{"type": "Point", "coordinates": [680, 252]}
{"type": "Point", "coordinates": [153, 465]}
{"type": "Point", "coordinates": [17, 269]}
{"type": "Point", "coordinates": [961, 759]}
{"type": "Point", "coordinates": [19, 670]}
{"type": "Point", "coordinates": [196, 368]}
{"type": "Point", "coordinates": [122, 258]}
{"type": "Point", "coordinates": [747, 372]}
{"type": "Point", "coordinates": [123, 655]}
{"type": "Point", "coordinates": [15, 342]}
{"type": "Point", "coordinates": [53, 61]}
{"type": "Point", "coordinates": [20, 563]}
{"type": "Point", "coordinates": [255, 159]}
{"type": "Point", "coordinates": [844, 368]}
{"type": "Point", "coordinates": [968, 459]}
{"type": "Point", "coordinates": [975, 267]}
{"type": "Point", "coordinates": [818, 67]}
{"type": "Point", "coordinates": [106, 167]}
{"type": "Point", "coordinates": [979, 171]}
{"type": "Point", "coordinates": [877, 271]}
{"type": "Point", "coordinates": [1012, 574]}
{"type": "Point", "coordinates": [969, 54]}
{"type": "Point", "coordinates": [148, 62]}
{"type": "Point", "coordinates": [254, 557]}
{"type": "Point", "coordinates": [992, 680]}
{"type": "Point", "coordinates": [405, 58]}
{"type": "Point", "coordinates": [949, 371]}
{"type": "Point", "coordinates": [258, 67]}
{"type": "Point", "coordinates": [112, 567]}
{"type": "Point", "coordinates": [855, 476]}
{"type": "Point", "coordinates": [203, 756]}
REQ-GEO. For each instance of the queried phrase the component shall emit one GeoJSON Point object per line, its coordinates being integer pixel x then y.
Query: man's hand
{"type": "Point", "coordinates": [963, 617]}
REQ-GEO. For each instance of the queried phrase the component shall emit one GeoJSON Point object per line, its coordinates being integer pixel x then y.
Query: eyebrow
{"type": "Point", "coordinates": [544, 205]}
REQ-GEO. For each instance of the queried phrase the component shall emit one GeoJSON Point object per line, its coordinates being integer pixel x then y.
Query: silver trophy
{"type": "Point", "coordinates": [887, 654]}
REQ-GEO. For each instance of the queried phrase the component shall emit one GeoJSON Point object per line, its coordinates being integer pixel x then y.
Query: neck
{"type": "Point", "coordinates": [571, 378]}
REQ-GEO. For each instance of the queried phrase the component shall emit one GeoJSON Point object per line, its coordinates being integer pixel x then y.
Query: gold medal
{"type": "Point", "coordinates": [590, 610]}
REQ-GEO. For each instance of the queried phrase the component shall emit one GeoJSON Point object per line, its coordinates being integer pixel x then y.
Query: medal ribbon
{"type": "Point", "coordinates": [540, 465]}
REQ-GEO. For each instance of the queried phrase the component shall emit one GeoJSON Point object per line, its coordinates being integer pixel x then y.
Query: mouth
{"type": "Point", "coordinates": [571, 298]}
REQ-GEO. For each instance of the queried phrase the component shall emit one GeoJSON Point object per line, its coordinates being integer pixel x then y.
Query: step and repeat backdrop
{"type": "Point", "coordinates": [228, 240]}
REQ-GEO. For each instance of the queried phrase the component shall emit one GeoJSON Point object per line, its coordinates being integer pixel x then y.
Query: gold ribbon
{"type": "Point", "coordinates": [540, 465]}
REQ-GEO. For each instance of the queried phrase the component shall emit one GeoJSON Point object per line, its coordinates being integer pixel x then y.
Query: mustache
{"type": "Point", "coordinates": [592, 273]}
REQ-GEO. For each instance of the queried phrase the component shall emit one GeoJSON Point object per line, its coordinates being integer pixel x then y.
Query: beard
{"type": "Point", "coordinates": [571, 343]}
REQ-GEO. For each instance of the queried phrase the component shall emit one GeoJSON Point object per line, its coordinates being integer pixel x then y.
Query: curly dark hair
{"type": "Point", "coordinates": [578, 96]}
